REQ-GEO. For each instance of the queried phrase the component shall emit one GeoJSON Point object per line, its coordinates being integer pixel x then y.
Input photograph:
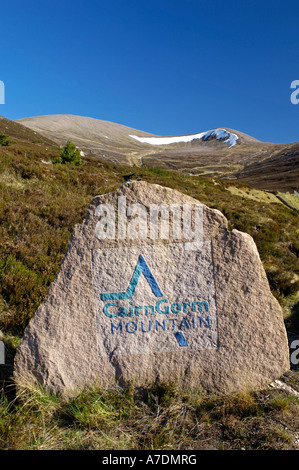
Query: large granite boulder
{"type": "Point", "coordinates": [154, 287]}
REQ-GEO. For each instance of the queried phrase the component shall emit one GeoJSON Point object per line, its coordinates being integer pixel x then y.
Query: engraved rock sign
{"type": "Point", "coordinates": [155, 287]}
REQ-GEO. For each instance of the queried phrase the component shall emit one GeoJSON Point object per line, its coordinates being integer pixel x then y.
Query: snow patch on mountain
{"type": "Point", "coordinates": [220, 134]}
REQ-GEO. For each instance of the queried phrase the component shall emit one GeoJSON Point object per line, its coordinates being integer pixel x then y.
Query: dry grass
{"type": "Point", "coordinates": [291, 199]}
{"type": "Point", "coordinates": [253, 194]}
{"type": "Point", "coordinates": [160, 417]}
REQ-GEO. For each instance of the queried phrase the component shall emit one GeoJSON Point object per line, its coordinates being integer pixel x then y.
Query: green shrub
{"type": "Point", "coordinates": [4, 141]}
{"type": "Point", "coordinates": [69, 154]}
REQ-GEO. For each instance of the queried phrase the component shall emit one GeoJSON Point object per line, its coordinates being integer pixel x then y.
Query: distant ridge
{"type": "Point", "coordinates": [220, 152]}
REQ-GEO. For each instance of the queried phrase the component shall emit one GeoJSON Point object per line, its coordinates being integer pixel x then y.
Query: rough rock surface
{"type": "Point", "coordinates": [223, 330]}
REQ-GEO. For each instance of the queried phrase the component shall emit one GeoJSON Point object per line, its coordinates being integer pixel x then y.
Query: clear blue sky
{"type": "Point", "coordinates": [165, 67]}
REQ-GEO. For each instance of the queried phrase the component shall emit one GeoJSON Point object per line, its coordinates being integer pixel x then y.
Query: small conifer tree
{"type": "Point", "coordinates": [69, 154]}
{"type": "Point", "coordinates": [4, 141]}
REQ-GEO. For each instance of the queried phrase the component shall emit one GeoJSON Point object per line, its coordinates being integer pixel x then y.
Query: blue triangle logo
{"type": "Point", "coordinates": [141, 268]}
